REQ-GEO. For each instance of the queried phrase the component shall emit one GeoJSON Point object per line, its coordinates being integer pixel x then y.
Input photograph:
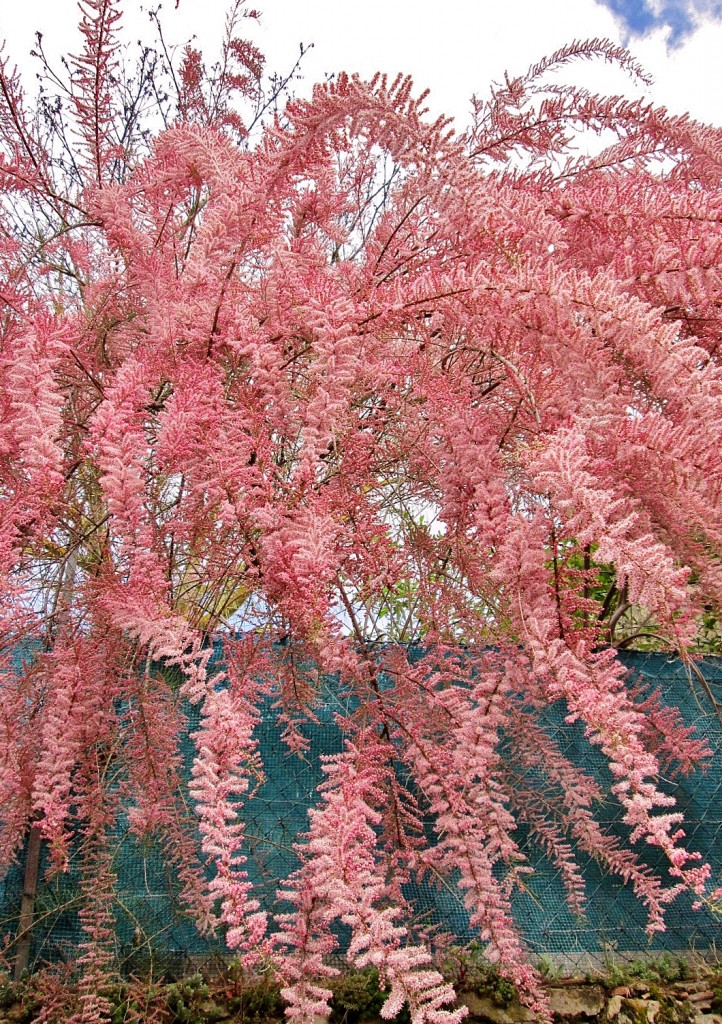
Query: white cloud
{"type": "Point", "coordinates": [688, 78]}
{"type": "Point", "coordinates": [454, 48]}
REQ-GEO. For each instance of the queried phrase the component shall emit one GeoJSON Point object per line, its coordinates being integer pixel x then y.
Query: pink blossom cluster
{"type": "Point", "coordinates": [314, 389]}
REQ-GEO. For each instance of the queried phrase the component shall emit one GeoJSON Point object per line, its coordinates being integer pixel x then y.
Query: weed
{"type": "Point", "coordinates": [18, 997]}
{"type": "Point", "coordinates": [357, 996]}
{"type": "Point", "coordinates": [665, 969]}
{"type": "Point", "coordinates": [468, 970]}
{"type": "Point", "coordinates": [548, 969]}
{"type": "Point", "coordinates": [662, 970]}
{"type": "Point", "coordinates": [256, 999]}
{"type": "Point", "coordinates": [716, 986]}
{"type": "Point", "coordinates": [189, 1001]}
{"type": "Point", "coordinates": [136, 1002]}
{"type": "Point", "coordinates": [8, 992]}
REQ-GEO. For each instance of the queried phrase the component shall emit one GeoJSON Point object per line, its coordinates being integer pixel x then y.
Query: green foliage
{"type": "Point", "coordinates": [357, 996]}
{"type": "Point", "coordinates": [547, 968]}
{"type": "Point", "coordinates": [189, 1001]}
{"type": "Point", "coordinates": [234, 995]}
{"type": "Point", "coordinates": [135, 1002]}
{"type": "Point", "coordinates": [8, 994]}
{"type": "Point", "coordinates": [19, 997]}
{"type": "Point", "coordinates": [716, 986]}
{"type": "Point", "coordinates": [468, 970]}
{"type": "Point", "coordinates": [709, 634]}
{"type": "Point", "coordinates": [256, 999]}
{"type": "Point", "coordinates": [663, 970]}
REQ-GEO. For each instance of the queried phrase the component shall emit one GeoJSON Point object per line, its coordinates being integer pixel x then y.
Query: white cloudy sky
{"type": "Point", "coordinates": [452, 47]}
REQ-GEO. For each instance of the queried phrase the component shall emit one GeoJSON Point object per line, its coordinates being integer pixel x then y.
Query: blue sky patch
{"type": "Point", "coordinates": [681, 17]}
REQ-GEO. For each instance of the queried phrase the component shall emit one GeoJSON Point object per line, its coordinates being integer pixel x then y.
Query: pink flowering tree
{"type": "Point", "coordinates": [348, 378]}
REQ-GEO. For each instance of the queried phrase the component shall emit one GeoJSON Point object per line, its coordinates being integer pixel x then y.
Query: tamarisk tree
{"type": "Point", "coordinates": [348, 382]}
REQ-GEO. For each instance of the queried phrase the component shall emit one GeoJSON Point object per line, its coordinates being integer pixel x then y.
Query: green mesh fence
{"type": "Point", "coordinates": [152, 930]}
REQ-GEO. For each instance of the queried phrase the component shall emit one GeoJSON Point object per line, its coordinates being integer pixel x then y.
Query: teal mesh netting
{"type": "Point", "coordinates": [151, 926]}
